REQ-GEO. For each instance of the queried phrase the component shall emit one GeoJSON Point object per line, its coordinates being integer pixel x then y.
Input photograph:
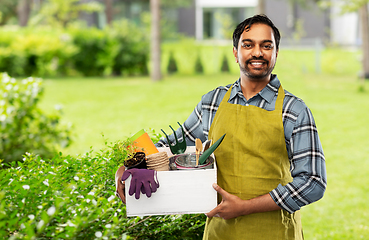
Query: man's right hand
{"type": "Point", "coordinates": [119, 184]}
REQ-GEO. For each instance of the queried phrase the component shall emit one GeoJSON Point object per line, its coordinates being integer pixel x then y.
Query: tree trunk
{"type": "Point", "coordinates": [23, 10]}
{"type": "Point", "coordinates": [109, 11]}
{"type": "Point", "coordinates": [155, 40]}
{"type": "Point", "coordinates": [364, 20]}
{"type": "Point", "coordinates": [261, 7]}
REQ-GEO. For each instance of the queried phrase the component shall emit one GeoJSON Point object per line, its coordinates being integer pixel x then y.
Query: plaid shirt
{"type": "Point", "coordinates": [302, 141]}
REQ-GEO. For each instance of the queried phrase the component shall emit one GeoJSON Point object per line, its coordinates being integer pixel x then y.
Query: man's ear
{"type": "Point", "coordinates": [235, 53]}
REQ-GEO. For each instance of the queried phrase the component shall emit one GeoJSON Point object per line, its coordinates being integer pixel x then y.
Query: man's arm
{"type": "Point", "coordinates": [233, 206]}
{"type": "Point", "coordinates": [307, 166]}
{"type": "Point", "coordinates": [192, 128]}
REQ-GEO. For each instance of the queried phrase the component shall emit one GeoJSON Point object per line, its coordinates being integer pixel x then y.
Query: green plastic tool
{"type": "Point", "coordinates": [210, 150]}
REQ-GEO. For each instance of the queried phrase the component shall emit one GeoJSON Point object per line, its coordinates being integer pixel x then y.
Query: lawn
{"type": "Point", "coordinates": [119, 107]}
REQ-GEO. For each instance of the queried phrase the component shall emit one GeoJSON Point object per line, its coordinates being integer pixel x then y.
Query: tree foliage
{"type": "Point", "coordinates": [8, 10]}
{"type": "Point", "coordinates": [60, 13]}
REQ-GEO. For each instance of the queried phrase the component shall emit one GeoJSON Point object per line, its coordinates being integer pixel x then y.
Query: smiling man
{"type": "Point", "coordinates": [271, 162]}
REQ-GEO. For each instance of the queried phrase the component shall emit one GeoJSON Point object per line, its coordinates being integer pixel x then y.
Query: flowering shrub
{"type": "Point", "coordinates": [74, 198]}
{"type": "Point", "coordinates": [23, 126]}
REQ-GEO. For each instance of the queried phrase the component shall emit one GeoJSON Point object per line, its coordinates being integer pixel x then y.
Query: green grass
{"type": "Point", "coordinates": [119, 107]}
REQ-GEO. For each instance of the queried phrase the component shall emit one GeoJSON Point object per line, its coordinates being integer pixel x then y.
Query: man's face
{"type": "Point", "coordinates": [256, 53]}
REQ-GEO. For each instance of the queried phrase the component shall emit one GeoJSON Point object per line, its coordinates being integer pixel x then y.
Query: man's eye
{"type": "Point", "coordinates": [268, 46]}
{"type": "Point", "coordinates": [246, 45]}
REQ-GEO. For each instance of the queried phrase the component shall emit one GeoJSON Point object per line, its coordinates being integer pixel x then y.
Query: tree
{"type": "Point", "coordinates": [363, 13]}
{"type": "Point", "coordinates": [155, 40]}
{"type": "Point", "coordinates": [60, 13]}
{"type": "Point", "coordinates": [23, 10]}
{"type": "Point", "coordinates": [8, 10]}
{"type": "Point", "coordinates": [109, 11]}
{"type": "Point", "coordinates": [361, 6]}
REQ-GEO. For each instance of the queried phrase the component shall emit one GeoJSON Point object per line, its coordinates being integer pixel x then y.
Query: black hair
{"type": "Point", "coordinates": [246, 24]}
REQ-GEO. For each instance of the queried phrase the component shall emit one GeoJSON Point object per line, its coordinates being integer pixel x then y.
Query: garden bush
{"type": "Point", "coordinates": [74, 198]}
{"type": "Point", "coordinates": [132, 51]}
{"type": "Point", "coordinates": [23, 126]}
{"type": "Point", "coordinates": [43, 51]}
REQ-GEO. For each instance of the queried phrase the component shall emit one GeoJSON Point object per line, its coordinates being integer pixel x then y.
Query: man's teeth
{"type": "Point", "coordinates": [257, 63]}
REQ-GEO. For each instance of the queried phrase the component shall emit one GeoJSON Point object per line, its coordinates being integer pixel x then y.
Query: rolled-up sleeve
{"type": "Point", "coordinates": [307, 166]}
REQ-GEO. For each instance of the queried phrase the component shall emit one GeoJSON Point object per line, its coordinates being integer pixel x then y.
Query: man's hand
{"type": "Point", "coordinates": [119, 184]}
{"type": "Point", "coordinates": [232, 206]}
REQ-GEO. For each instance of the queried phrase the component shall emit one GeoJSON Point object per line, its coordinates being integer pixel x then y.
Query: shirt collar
{"type": "Point", "coordinates": [267, 93]}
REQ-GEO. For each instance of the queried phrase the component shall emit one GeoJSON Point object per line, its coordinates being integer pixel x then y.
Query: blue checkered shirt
{"type": "Point", "coordinates": [302, 141]}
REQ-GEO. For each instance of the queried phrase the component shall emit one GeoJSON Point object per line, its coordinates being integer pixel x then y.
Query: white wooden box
{"type": "Point", "coordinates": [179, 192]}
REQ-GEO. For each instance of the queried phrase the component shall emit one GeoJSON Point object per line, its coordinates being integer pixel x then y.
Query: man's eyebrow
{"type": "Point", "coordinates": [264, 41]}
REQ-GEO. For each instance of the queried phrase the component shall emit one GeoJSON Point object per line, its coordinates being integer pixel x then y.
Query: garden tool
{"type": "Point", "coordinates": [179, 147]}
{"type": "Point", "coordinates": [210, 150]}
{"type": "Point", "coordinates": [198, 145]}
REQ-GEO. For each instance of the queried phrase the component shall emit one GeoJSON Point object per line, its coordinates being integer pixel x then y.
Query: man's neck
{"type": "Point", "coordinates": [251, 87]}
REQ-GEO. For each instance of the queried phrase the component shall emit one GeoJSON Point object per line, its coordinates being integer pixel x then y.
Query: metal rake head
{"type": "Point", "coordinates": [178, 147]}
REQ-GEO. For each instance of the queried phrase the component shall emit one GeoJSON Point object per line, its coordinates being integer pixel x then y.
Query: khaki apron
{"type": "Point", "coordinates": [252, 160]}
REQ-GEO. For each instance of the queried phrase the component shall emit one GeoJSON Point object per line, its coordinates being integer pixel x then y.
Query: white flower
{"type": "Point", "coordinates": [39, 206]}
{"type": "Point", "coordinates": [11, 180]}
{"type": "Point", "coordinates": [46, 182]}
{"type": "Point", "coordinates": [88, 200]}
{"type": "Point", "coordinates": [45, 192]}
{"type": "Point", "coordinates": [2, 118]}
{"type": "Point", "coordinates": [108, 225]}
{"type": "Point", "coordinates": [23, 200]}
{"type": "Point", "coordinates": [51, 211]}
{"type": "Point", "coordinates": [26, 187]}
{"type": "Point", "coordinates": [98, 234]}
{"type": "Point", "coordinates": [94, 202]}
{"type": "Point", "coordinates": [111, 198]}
{"type": "Point", "coordinates": [22, 226]}
{"type": "Point", "coordinates": [76, 178]}
{"type": "Point", "coordinates": [40, 224]}
{"type": "Point", "coordinates": [31, 216]}
{"type": "Point", "coordinates": [91, 193]}
{"type": "Point", "coordinates": [65, 160]}
{"type": "Point", "coordinates": [52, 173]}
{"type": "Point", "coordinates": [8, 87]}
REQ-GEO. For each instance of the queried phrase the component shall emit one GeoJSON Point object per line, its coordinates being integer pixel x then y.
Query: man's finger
{"type": "Point", "coordinates": [220, 190]}
{"type": "Point", "coordinates": [213, 213]}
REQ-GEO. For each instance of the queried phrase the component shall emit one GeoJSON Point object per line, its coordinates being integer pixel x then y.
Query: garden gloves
{"type": "Point", "coordinates": [144, 180]}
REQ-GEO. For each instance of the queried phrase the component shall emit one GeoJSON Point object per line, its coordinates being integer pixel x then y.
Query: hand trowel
{"type": "Point", "coordinates": [210, 150]}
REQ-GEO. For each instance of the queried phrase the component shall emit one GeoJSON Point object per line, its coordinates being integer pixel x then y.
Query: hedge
{"type": "Point", "coordinates": [74, 198]}
{"type": "Point", "coordinates": [43, 51]}
{"type": "Point", "coordinates": [23, 125]}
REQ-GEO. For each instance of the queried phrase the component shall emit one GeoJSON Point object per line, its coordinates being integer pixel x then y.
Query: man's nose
{"type": "Point", "coordinates": [256, 51]}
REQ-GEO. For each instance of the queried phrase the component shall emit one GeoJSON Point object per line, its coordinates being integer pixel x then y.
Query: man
{"type": "Point", "coordinates": [271, 162]}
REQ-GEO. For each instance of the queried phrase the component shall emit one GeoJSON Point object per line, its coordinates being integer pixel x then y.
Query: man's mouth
{"type": "Point", "coordinates": [256, 63]}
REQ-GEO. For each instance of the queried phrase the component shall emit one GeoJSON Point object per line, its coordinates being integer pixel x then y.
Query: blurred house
{"type": "Point", "coordinates": [303, 24]}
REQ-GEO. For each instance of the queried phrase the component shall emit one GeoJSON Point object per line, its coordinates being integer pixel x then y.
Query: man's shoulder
{"type": "Point", "coordinates": [292, 103]}
{"type": "Point", "coordinates": [217, 93]}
